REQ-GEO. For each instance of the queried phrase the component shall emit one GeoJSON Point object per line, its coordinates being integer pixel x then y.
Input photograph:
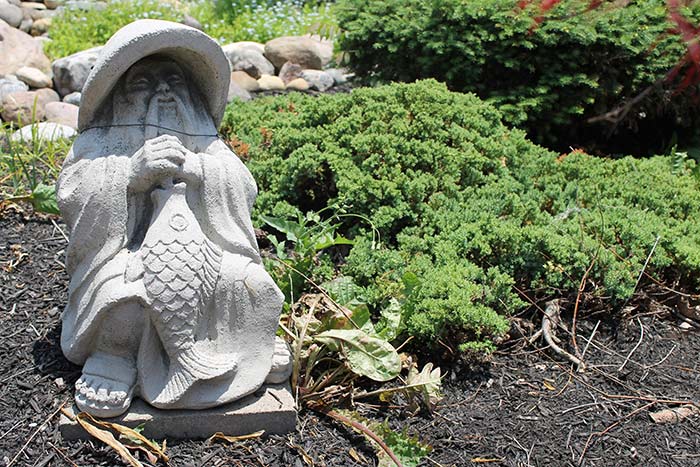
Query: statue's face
{"type": "Point", "coordinates": [154, 78]}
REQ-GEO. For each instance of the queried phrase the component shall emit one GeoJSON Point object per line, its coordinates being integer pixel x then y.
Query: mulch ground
{"type": "Point", "coordinates": [526, 407]}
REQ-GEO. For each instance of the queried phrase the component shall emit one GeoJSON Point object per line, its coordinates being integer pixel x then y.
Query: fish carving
{"type": "Point", "coordinates": [180, 270]}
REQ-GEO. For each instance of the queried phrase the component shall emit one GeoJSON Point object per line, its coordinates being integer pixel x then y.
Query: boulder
{"type": "Point", "coordinates": [299, 84]}
{"type": "Point", "coordinates": [40, 26]}
{"type": "Point", "coordinates": [251, 61]}
{"type": "Point", "coordinates": [236, 91]}
{"type": "Point", "coordinates": [72, 98]}
{"type": "Point", "coordinates": [71, 72]}
{"type": "Point", "coordinates": [47, 95]}
{"type": "Point", "coordinates": [34, 77]}
{"type": "Point", "coordinates": [26, 25]}
{"type": "Point", "coordinates": [52, 4]}
{"type": "Point", "coordinates": [10, 84]}
{"type": "Point", "coordinates": [325, 48]}
{"type": "Point", "coordinates": [63, 113]}
{"type": "Point", "coordinates": [289, 72]}
{"type": "Point", "coordinates": [303, 50]}
{"type": "Point", "coordinates": [10, 13]}
{"type": "Point", "coordinates": [22, 107]}
{"type": "Point", "coordinates": [45, 131]}
{"type": "Point", "coordinates": [40, 14]}
{"type": "Point", "coordinates": [236, 46]}
{"type": "Point", "coordinates": [317, 79]}
{"type": "Point", "coordinates": [245, 81]}
{"type": "Point", "coordinates": [339, 76]}
{"type": "Point", "coordinates": [18, 49]}
{"type": "Point", "coordinates": [270, 83]}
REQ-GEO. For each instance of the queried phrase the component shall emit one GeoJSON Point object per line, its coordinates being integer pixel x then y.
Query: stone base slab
{"type": "Point", "coordinates": [271, 408]}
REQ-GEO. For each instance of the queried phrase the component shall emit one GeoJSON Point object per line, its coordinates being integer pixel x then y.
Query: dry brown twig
{"type": "Point", "coordinates": [550, 321]}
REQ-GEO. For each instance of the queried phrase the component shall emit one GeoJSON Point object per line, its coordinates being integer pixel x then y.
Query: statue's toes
{"type": "Point", "coordinates": [102, 397]}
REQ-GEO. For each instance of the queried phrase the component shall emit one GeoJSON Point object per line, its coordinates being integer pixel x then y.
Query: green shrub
{"type": "Point", "coordinates": [75, 30]}
{"type": "Point", "coordinates": [471, 214]}
{"type": "Point", "coordinates": [547, 78]}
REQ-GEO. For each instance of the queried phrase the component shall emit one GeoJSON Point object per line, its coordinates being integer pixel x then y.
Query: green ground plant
{"type": "Point", "coordinates": [476, 221]}
{"type": "Point", "coordinates": [226, 21]}
{"type": "Point", "coordinates": [548, 66]}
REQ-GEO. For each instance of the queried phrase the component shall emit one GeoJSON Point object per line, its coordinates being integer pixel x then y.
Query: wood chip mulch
{"type": "Point", "coordinates": [527, 407]}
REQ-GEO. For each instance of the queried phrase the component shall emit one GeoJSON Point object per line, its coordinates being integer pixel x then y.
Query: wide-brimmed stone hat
{"type": "Point", "coordinates": [198, 54]}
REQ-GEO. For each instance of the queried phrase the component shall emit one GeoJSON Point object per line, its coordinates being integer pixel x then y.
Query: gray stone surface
{"type": "Point", "coordinates": [10, 84]}
{"type": "Point", "coordinates": [250, 61]}
{"type": "Point", "coordinates": [71, 72]}
{"type": "Point", "coordinates": [302, 50]}
{"type": "Point", "coordinates": [22, 107]}
{"type": "Point", "coordinates": [339, 76]}
{"type": "Point", "coordinates": [271, 408]}
{"type": "Point", "coordinates": [168, 300]}
{"type": "Point", "coordinates": [317, 79]}
{"type": "Point", "coordinates": [18, 49]}
{"type": "Point", "coordinates": [289, 72]}
{"type": "Point", "coordinates": [235, 91]}
{"type": "Point", "coordinates": [45, 131]}
{"type": "Point", "coordinates": [235, 47]}
{"type": "Point", "coordinates": [72, 98]}
{"type": "Point", "coordinates": [40, 26]}
{"type": "Point", "coordinates": [10, 13]}
{"type": "Point", "coordinates": [34, 77]}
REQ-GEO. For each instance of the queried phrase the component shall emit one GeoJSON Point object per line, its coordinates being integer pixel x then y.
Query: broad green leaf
{"type": "Point", "coordinates": [367, 355]}
{"type": "Point", "coordinates": [291, 229]}
{"type": "Point", "coordinates": [343, 290]}
{"type": "Point", "coordinates": [43, 199]}
{"type": "Point", "coordinates": [390, 322]}
{"type": "Point", "coordinates": [410, 282]}
{"type": "Point", "coordinates": [327, 240]}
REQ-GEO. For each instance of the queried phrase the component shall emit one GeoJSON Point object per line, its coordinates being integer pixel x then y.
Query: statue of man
{"type": "Point", "coordinates": [168, 299]}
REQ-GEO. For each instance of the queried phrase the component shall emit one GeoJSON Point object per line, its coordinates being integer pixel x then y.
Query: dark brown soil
{"type": "Point", "coordinates": [524, 408]}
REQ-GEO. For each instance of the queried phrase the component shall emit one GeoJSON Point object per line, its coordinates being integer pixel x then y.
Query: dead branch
{"type": "Point", "coordinates": [550, 321]}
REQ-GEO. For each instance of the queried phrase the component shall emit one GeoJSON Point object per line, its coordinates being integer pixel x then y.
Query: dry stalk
{"type": "Point", "coordinates": [550, 321]}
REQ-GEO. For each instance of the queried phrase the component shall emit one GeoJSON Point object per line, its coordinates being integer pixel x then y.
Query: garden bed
{"type": "Point", "coordinates": [525, 407]}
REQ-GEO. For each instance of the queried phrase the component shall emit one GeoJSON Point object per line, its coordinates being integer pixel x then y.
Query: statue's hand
{"type": "Point", "coordinates": [160, 158]}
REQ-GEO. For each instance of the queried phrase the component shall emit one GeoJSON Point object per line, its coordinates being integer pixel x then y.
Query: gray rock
{"type": "Point", "coordinates": [63, 113]}
{"type": "Point", "coordinates": [245, 81]}
{"type": "Point", "coordinates": [26, 25]}
{"type": "Point", "coordinates": [47, 95]}
{"type": "Point", "coordinates": [339, 76]}
{"type": "Point", "coordinates": [289, 72]}
{"type": "Point", "coordinates": [325, 47]}
{"type": "Point", "coordinates": [40, 14]}
{"type": "Point", "coordinates": [71, 72]}
{"type": "Point", "coordinates": [10, 84]}
{"type": "Point", "coordinates": [250, 61]}
{"type": "Point", "coordinates": [10, 13]}
{"type": "Point", "coordinates": [53, 4]}
{"type": "Point", "coordinates": [296, 49]}
{"type": "Point", "coordinates": [18, 49]}
{"type": "Point", "coordinates": [270, 83]}
{"type": "Point", "coordinates": [34, 77]}
{"type": "Point", "coordinates": [72, 98]}
{"type": "Point", "coordinates": [45, 131]}
{"type": "Point", "coordinates": [317, 79]}
{"type": "Point", "coordinates": [236, 46]}
{"type": "Point", "coordinates": [33, 6]}
{"type": "Point", "coordinates": [236, 91]}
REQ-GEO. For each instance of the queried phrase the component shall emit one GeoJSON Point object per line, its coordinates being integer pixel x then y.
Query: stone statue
{"type": "Point", "coordinates": [168, 299]}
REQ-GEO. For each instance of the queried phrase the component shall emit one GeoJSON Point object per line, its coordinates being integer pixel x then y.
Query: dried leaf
{"type": "Point", "coordinates": [675, 414]}
{"type": "Point", "coordinates": [428, 382]}
{"type": "Point", "coordinates": [130, 434]}
{"type": "Point", "coordinates": [233, 439]}
{"type": "Point", "coordinates": [104, 436]}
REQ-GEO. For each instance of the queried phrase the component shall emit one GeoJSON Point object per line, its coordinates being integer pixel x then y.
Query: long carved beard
{"type": "Point", "coordinates": [169, 118]}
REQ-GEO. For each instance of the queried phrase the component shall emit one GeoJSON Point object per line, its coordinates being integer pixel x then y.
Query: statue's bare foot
{"type": "Point", "coordinates": [281, 363]}
{"type": "Point", "coordinates": [106, 386]}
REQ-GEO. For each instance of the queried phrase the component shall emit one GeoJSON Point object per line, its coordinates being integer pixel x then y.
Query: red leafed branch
{"type": "Point", "coordinates": [691, 36]}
